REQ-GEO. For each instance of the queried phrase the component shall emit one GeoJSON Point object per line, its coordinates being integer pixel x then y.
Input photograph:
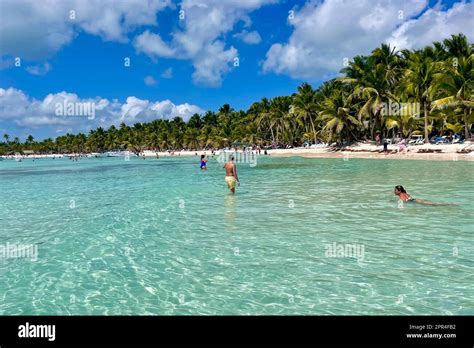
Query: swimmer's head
{"type": "Point", "coordinates": [202, 156]}
{"type": "Point", "coordinates": [399, 189]}
{"type": "Point", "coordinates": [231, 158]}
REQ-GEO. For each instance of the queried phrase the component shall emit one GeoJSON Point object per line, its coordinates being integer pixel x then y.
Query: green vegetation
{"type": "Point", "coordinates": [439, 77]}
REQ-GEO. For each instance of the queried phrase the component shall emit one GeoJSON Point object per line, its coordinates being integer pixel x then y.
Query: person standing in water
{"type": "Point", "coordinates": [405, 197]}
{"type": "Point", "coordinates": [203, 162]}
{"type": "Point", "coordinates": [231, 177]}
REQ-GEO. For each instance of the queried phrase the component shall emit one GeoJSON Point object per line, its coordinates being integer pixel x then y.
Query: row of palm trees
{"type": "Point", "coordinates": [439, 78]}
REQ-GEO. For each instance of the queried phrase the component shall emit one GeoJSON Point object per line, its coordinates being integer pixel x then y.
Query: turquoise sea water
{"type": "Point", "coordinates": [162, 237]}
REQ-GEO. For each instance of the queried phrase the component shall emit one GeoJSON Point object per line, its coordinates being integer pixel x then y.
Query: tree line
{"type": "Point", "coordinates": [438, 78]}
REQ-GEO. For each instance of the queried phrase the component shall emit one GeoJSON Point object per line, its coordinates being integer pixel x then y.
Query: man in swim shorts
{"type": "Point", "coordinates": [231, 177]}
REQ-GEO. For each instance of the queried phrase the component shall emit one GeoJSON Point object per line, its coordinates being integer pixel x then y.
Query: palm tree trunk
{"type": "Point", "coordinates": [312, 126]}
{"type": "Point", "coordinates": [466, 126]}
{"type": "Point", "coordinates": [372, 128]}
{"type": "Point", "coordinates": [425, 112]}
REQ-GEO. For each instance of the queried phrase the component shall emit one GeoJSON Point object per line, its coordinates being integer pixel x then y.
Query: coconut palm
{"type": "Point", "coordinates": [418, 81]}
{"type": "Point", "coordinates": [458, 46]}
{"type": "Point", "coordinates": [30, 140]}
{"type": "Point", "coordinates": [373, 80]}
{"type": "Point", "coordinates": [305, 107]}
{"type": "Point", "coordinates": [456, 84]}
{"type": "Point", "coordinates": [279, 117]}
{"type": "Point", "coordinates": [264, 117]}
{"type": "Point", "coordinates": [337, 116]}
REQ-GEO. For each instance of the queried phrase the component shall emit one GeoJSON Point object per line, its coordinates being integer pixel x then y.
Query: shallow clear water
{"type": "Point", "coordinates": [161, 237]}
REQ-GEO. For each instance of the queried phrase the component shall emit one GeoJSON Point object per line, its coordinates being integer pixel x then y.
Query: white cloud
{"type": "Point", "coordinates": [152, 45]}
{"type": "Point", "coordinates": [37, 30]}
{"type": "Point", "coordinates": [201, 37]}
{"type": "Point", "coordinates": [13, 103]}
{"type": "Point", "coordinates": [150, 81]}
{"type": "Point", "coordinates": [212, 63]}
{"type": "Point", "coordinates": [112, 20]}
{"type": "Point", "coordinates": [139, 110]}
{"type": "Point", "coordinates": [34, 30]}
{"type": "Point", "coordinates": [250, 38]}
{"type": "Point", "coordinates": [327, 32]}
{"type": "Point", "coordinates": [167, 74]}
{"type": "Point", "coordinates": [18, 109]}
{"type": "Point", "coordinates": [40, 69]}
{"type": "Point", "coordinates": [435, 25]}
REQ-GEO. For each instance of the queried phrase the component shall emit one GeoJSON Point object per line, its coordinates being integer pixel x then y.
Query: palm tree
{"type": "Point", "coordinates": [406, 122]}
{"type": "Point", "coordinates": [338, 117]}
{"type": "Point", "coordinates": [456, 84]}
{"type": "Point", "coordinates": [386, 60]}
{"type": "Point", "coordinates": [195, 121]}
{"type": "Point", "coordinates": [305, 107]}
{"type": "Point", "coordinates": [279, 118]}
{"type": "Point", "coordinates": [373, 80]}
{"type": "Point", "coordinates": [30, 142]}
{"type": "Point", "coordinates": [264, 118]}
{"type": "Point", "coordinates": [458, 46]}
{"type": "Point", "coordinates": [225, 118]}
{"type": "Point", "coordinates": [418, 81]}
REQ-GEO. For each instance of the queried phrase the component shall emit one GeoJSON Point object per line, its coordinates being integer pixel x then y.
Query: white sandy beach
{"type": "Point", "coordinates": [442, 152]}
{"type": "Point", "coordinates": [447, 152]}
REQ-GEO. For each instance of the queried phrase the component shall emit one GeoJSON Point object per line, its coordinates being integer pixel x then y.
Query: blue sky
{"type": "Point", "coordinates": [179, 66]}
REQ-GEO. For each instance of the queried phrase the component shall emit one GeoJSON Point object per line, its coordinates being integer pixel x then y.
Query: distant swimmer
{"type": "Point", "coordinates": [203, 162]}
{"type": "Point", "coordinates": [405, 197]}
{"type": "Point", "coordinates": [231, 177]}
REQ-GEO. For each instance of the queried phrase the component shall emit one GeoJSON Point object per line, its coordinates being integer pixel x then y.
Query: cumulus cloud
{"type": "Point", "coordinates": [325, 33]}
{"type": "Point", "coordinates": [435, 25]}
{"type": "Point", "coordinates": [40, 69]}
{"type": "Point", "coordinates": [250, 38]}
{"type": "Point", "coordinates": [201, 37]}
{"type": "Point", "coordinates": [139, 110]}
{"type": "Point", "coordinates": [38, 29]}
{"type": "Point", "coordinates": [152, 45]}
{"type": "Point", "coordinates": [150, 81]}
{"type": "Point", "coordinates": [23, 111]}
{"type": "Point", "coordinates": [13, 104]}
{"type": "Point", "coordinates": [167, 74]}
{"type": "Point", "coordinates": [212, 63]}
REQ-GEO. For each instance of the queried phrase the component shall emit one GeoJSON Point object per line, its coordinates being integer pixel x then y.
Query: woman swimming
{"type": "Point", "coordinates": [405, 197]}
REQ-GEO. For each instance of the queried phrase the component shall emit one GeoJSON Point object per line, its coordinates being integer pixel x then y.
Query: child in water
{"type": "Point", "coordinates": [203, 162]}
